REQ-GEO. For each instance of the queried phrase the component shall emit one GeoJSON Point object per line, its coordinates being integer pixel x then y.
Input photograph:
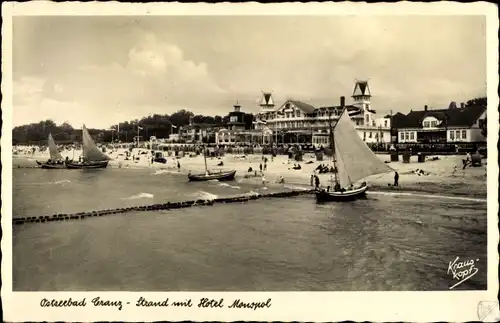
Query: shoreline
{"type": "Point", "coordinates": [438, 178]}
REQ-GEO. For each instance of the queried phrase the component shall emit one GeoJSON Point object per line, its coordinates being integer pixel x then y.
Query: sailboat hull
{"type": "Point", "coordinates": [51, 166]}
{"type": "Point", "coordinates": [350, 195]}
{"type": "Point", "coordinates": [222, 176]}
{"type": "Point", "coordinates": [88, 165]}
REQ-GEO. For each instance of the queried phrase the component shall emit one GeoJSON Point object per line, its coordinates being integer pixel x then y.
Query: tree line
{"type": "Point", "coordinates": [159, 125]}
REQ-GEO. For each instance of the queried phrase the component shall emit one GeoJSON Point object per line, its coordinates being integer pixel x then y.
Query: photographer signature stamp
{"type": "Point", "coordinates": [462, 270]}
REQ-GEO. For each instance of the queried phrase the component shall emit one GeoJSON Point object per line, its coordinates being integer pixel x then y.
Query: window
{"type": "Point", "coordinates": [367, 119]}
{"type": "Point", "coordinates": [412, 135]}
{"type": "Point", "coordinates": [457, 135]}
{"type": "Point", "coordinates": [298, 114]}
{"type": "Point", "coordinates": [464, 134]}
{"type": "Point", "coordinates": [401, 136]}
{"type": "Point", "coordinates": [370, 135]}
{"type": "Point", "coordinates": [433, 124]}
{"type": "Point", "coordinates": [234, 119]}
{"type": "Point", "coordinates": [407, 136]}
{"type": "Point", "coordinates": [452, 135]}
{"type": "Point", "coordinates": [426, 124]}
{"type": "Point", "coordinates": [364, 135]}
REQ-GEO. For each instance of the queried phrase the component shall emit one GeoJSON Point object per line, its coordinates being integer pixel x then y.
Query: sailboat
{"type": "Point", "coordinates": [93, 157]}
{"type": "Point", "coordinates": [353, 160]}
{"type": "Point", "coordinates": [208, 176]}
{"type": "Point", "coordinates": [56, 161]}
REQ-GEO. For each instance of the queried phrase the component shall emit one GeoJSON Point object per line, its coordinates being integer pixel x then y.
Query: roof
{"type": "Point", "coordinates": [361, 88]}
{"type": "Point", "coordinates": [451, 117]}
{"type": "Point", "coordinates": [352, 109]}
{"type": "Point", "coordinates": [307, 108]}
{"type": "Point", "coordinates": [466, 116]}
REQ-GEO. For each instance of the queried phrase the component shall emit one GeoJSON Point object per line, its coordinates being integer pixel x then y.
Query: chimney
{"type": "Point", "coordinates": [462, 105]}
{"type": "Point", "coordinates": [425, 108]}
{"type": "Point", "coordinates": [342, 101]}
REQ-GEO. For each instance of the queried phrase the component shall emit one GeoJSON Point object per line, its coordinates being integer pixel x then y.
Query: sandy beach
{"type": "Point", "coordinates": [439, 176]}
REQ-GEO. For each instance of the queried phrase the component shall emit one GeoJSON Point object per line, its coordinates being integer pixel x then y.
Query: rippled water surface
{"type": "Point", "coordinates": [385, 242]}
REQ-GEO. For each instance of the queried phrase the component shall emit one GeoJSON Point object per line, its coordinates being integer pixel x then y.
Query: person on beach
{"type": "Point", "coordinates": [468, 160]}
{"type": "Point", "coordinates": [312, 179]}
{"type": "Point", "coordinates": [396, 179]}
{"type": "Point", "coordinates": [263, 180]}
{"type": "Point", "coordinates": [455, 168]}
{"type": "Point", "coordinates": [178, 166]}
{"type": "Point", "coordinates": [260, 166]}
{"type": "Point", "coordinates": [265, 166]}
{"type": "Point", "coordinates": [316, 181]}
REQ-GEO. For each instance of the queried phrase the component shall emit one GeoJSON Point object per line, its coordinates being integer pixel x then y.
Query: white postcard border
{"type": "Point", "coordinates": [286, 306]}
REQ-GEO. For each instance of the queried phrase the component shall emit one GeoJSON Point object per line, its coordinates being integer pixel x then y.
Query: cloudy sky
{"type": "Point", "coordinates": [100, 70]}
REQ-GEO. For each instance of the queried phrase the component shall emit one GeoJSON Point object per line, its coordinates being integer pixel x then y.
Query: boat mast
{"type": "Point", "coordinates": [204, 153]}
{"type": "Point", "coordinates": [332, 145]}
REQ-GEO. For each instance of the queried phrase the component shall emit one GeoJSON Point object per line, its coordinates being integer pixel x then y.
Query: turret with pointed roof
{"type": "Point", "coordinates": [362, 95]}
{"type": "Point", "coordinates": [266, 102]}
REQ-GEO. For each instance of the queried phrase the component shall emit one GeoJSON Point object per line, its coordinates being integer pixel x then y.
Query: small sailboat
{"type": "Point", "coordinates": [93, 157]}
{"type": "Point", "coordinates": [353, 161]}
{"type": "Point", "coordinates": [208, 176]}
{"type": "Point", "coordinates": [56, 161]}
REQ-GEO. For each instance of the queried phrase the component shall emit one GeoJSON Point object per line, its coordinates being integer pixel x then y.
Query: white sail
{"type": "Point", "coordinates": [355, 160]}
{"type": "Point", "coordinates": [54, 152]}
{"type": "Point", "coordinates": [90, 151]}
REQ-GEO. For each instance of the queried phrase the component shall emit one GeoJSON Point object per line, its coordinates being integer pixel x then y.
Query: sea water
{"type": "Point", "coordinates": [389, 241]}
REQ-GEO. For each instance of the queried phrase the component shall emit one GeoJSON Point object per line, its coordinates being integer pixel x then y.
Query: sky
{"type": "Point", "coordinates": [101, 70]}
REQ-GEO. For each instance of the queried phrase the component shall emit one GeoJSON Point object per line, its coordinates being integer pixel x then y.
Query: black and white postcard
{"type": "Point", "coordinates": [246, 161]}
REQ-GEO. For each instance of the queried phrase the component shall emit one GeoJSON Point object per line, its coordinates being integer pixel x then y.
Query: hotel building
{"type": "Point", "coordinates": [299, 122]}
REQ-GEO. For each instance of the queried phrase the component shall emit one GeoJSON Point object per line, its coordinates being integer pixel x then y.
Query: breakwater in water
{"type": "Point", "coordinates": [157, 207]}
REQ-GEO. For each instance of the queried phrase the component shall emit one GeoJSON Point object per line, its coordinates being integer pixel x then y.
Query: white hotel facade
{"type": "Point", "coordinates": [298, 122]}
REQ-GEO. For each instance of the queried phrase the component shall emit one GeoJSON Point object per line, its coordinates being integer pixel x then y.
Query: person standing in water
{"type": "Point", "coordinates": [178, 166]}
{"type": "Point", "coordinates": [396, 179]}
{"type": "Point", "coordinates": [316, 181]}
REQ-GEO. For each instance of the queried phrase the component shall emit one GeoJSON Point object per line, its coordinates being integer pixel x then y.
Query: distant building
{"type": "Point", "coordinates": [236, 131]}
{"type": "Point", "coordinates": [173, 137]}
{"type": "Point", "coordinates": [197, 133]}
{"type": "Point", "coordinates": [452, 125]}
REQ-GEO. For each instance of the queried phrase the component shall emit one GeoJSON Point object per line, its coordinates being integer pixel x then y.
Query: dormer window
{"type": "Point", "coordinates": [430, 122]}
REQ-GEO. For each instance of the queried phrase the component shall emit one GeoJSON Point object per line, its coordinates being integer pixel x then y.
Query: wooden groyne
{"type": "Point", "coordinates": [156, 207]}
